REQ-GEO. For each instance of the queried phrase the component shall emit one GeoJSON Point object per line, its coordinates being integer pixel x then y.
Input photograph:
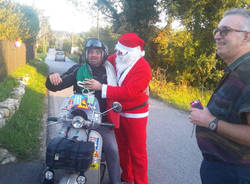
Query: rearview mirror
{"type": "Point", "coordinates": [117, 107]}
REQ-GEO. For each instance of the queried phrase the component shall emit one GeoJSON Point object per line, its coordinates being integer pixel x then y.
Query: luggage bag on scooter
{"type": "Point", "coordinates": [69, 154]}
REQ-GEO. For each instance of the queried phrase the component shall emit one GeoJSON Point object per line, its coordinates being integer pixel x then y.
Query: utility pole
{"type": "Point", "coordinates": [72, 43]}
{"type": "Point", "coordinates": [98, 36]}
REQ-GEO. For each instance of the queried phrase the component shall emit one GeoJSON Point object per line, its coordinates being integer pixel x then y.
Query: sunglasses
{"type": "Point", "coordinates": [224, 30]}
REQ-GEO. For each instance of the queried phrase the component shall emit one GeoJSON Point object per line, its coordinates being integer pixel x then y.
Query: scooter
{"type": "Point", "coordinates": [78, 147]}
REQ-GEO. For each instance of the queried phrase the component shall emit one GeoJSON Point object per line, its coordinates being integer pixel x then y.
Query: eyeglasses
{"type": "Point", "coordinates": [223, 31]}
{"type": "Point", "coordinates": [121, 53]}
{"type": "Point", "coordinates": [94, 43]}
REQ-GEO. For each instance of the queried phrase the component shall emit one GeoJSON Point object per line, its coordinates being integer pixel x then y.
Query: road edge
{"type": "Point", "coordinates": [44, 130]}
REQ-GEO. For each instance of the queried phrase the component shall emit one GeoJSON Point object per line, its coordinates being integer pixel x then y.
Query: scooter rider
{"type": "Point", "coordinates": [95, 67]}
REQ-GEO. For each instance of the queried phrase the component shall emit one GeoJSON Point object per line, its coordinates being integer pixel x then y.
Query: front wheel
{"type": "Point", "coordinates": [47, 182]}
{"type": "Point", "coordinates": [47, 176]}
{"type": "Point", "coordinates": [71, 179]}
{"type": "Point", "coordinates": [103, 166]}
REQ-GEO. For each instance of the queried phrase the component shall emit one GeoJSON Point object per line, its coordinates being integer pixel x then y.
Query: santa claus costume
{"type": "Point", "coordinates": [133, 76]}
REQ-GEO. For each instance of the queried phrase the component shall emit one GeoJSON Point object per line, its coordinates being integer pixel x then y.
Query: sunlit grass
{"type": "Point", "coordinates": [179, 96]}
{"type": "Point", "coordinates": [34, 73]}
{"type": "Point", "coordinates": [21, 134]}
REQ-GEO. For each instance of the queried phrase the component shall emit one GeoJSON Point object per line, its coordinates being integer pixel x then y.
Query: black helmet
{"type": "Point", "coordinates": [95, 43]}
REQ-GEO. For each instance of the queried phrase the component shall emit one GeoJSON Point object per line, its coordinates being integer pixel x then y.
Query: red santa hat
{"type": "Point", "coordinates": [130, 42]}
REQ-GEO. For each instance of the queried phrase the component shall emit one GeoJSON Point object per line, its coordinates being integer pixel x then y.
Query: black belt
{"type": "Point", "coordinates": [211, 158]}
{"type": "Point", "coordinates": [137, 107]}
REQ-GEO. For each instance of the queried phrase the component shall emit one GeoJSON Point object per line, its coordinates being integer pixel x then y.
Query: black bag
{"type": "Point", "coordinates": [69, 154]}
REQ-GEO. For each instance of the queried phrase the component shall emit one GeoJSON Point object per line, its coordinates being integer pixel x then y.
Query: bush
{"type": "Point", "coordinates": [177, 95]}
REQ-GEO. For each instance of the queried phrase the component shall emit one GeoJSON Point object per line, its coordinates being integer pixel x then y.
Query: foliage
{"type": "Point", "coordinates": [67, 43]}
{"type": "Point", "coordinates": [30, 27]}
{"type": "Point", "coordinates": [39, 49]}
{"type": "Point", "coordinates": [46, 38]}
{"type": "Point", "coordinates": [189, 55]}
{"type": "Point", "coordinates": [41, 57]}
{"type": "Point", "coordinates": [177, 54]}
{"type": "Point", "coordinates": [17, 21]}
{"type": "Point", "coordinates": [3, 68]}
{"type": "Point", "coordinates": [200, 17]}
{"type": "Point", "coordinates": [177, 95]}
{"type": "Point", "coordinates": [10, 21]}
{"type": "Point", "coordinates": [131, 16]}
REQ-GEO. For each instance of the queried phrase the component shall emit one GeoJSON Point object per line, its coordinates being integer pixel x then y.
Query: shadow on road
{"type": "Point", "coordinates": [21, 173]}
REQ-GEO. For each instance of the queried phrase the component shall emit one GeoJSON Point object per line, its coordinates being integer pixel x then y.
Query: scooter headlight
{"type": "Point", "coordinates": [78, 122]}
{"type": "Point", "coordinates": [49, 175]}
{"type": "Point", "coordinates": [81, 179]}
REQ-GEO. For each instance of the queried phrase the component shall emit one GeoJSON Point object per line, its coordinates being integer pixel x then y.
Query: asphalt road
{"type": "Point", "coordinates": [173, 156]}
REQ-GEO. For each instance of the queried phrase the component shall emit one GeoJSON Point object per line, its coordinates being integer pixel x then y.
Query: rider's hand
{"type": "Point", "coordinates": [55, 79]}
{"type": "Point", "coordinates": [200, 117]}
{"type": "Point", "coordinates": [93, 84]}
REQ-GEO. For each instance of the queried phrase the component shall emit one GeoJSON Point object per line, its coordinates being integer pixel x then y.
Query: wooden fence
{"type": "Point", "coordinates": [11, 57]}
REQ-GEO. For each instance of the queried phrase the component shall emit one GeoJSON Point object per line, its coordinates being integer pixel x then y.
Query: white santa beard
{"type": "Point", "coordinates": [124, 62]}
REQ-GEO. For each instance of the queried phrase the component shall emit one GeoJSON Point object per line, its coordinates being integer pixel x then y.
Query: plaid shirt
{"type": "Point", "coordinates": [230, 102]}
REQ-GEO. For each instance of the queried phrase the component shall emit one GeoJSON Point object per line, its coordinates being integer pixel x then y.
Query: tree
{"type": "Point", "coordinates": [176, 54]}
{"type": "Point", "coordinates": [200, 17]}
{"type": "Point", "coordinates": [19, 22]}
{"type": "Point", "coordinates": [10, 21]}
{"type": "Point", "coordinates": [130, 15]}
{"type": "Point", "coordinates": [45, 36]}
{"type": "Point", "coordinates": [67, 43]}
{"type": "Point", "coordinates": [125, 16]}
{"type": "Point", "coordinates": [30, 29]}
{"type": "Point", "coordinates": [190, 54]}
{"type": "Point", "coordinates": [30, 26]}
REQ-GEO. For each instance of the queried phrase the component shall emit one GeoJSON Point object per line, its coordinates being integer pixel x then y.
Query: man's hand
{"type": "Point", "coordinates": [55, 79]}
{"type": "Point", "coordinates": [200, 117]}
{"type": "Point", "coordinates": [93, 84]}
{"type": "Point", "coordinates": [236, 132]}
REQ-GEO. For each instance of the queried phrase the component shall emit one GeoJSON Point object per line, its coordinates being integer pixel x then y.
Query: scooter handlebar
{"type": "Point", "coordinates": [108, 124]}
{"type": "Point", "coordinates": [52, 118]}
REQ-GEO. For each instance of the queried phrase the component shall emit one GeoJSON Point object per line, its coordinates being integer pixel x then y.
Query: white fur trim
{"type": "Point", "coordinates": [111, 78]}
{"type": "Point", "coordinates": [134, 115]}
{"type": "Point", "coordinates": [111, 74]}
{"type": "Point", "coordinates": [104, 91]}
{"type": "Point", "coordinates": [121, 47]}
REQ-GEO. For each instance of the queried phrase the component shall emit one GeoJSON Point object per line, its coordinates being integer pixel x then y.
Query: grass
{"type": "Point", "coordinates": [6, 87]}
{"type": "Point", "coordinates": [41, 56]}
{"type": "Point", "coordinates": [21, 134]}
{"type": "Point", "coordinates": [178, 96]}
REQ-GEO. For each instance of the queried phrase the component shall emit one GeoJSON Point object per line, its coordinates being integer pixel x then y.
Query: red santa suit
{"type": "Point", "coordinates": [133, 76]}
